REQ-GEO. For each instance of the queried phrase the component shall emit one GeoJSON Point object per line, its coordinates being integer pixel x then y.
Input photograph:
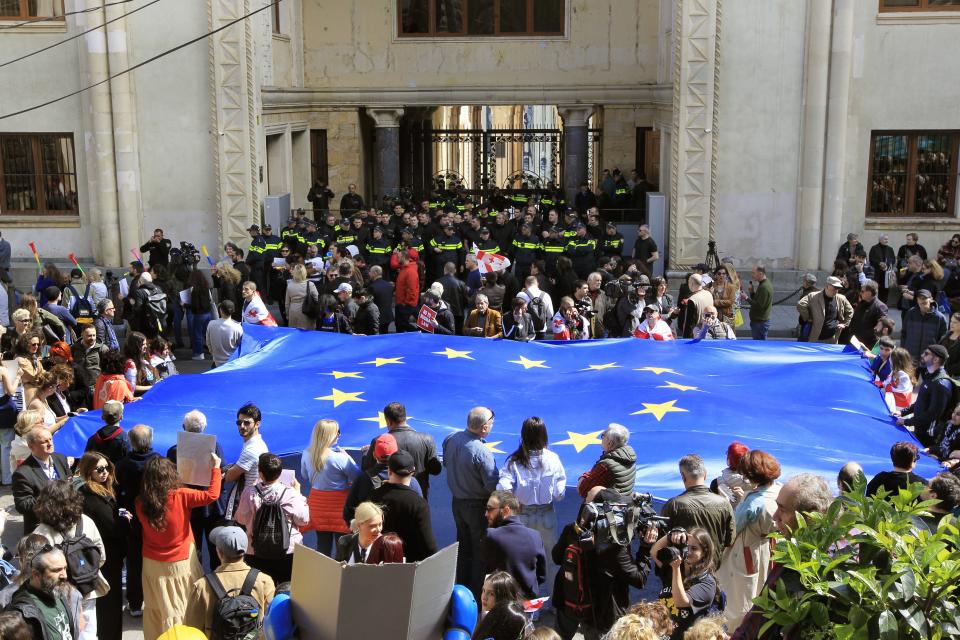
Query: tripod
{"type": "Point", "coordinates": [712, 260]}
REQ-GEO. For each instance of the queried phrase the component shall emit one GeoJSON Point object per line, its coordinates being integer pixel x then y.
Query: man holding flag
{"type": "Point", "coordinates": [254, 310]}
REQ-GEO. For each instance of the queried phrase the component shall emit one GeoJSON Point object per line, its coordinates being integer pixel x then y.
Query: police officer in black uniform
{"type": "Point", "coordinates": [254, 259]}
{"type": "Point", "coordinates": [448, 247]}
{"type": "Point", "coordinates": [526, 249]}
{"type": "Point", "coordinates": [378, 249]}
{"type": "Point", "coordinates": [612, 243]}
{"type": "Point", "coordinates": [313, 238]}
{"type": "Point", "coordinates": [582, 251]}
{"type": "Point", "coordinates": [486, 243]}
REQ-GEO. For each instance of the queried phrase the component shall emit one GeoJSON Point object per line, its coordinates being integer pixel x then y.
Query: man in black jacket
{"type": "Point", "coordinates": [867, 313]}
{"type": "Point", "coordinates": [40, 600]}
{"type": "Point", "coordinates": [421, 446]}
{"type": "Point", "coordinates": [320, 195]}
{"type": "Point", "coordinates": [382, 291]}
{"type": "Point", "coordinates": [110, 439]}
{"type": "Point", "coordinates": [40, 469]}
{"type": "Point", "coordinates": [512, 547]}
{"type": "Point", "coordinates": [933, 397]}
{"type": "Point", "coordinates": [405, 513]}
{"type": "Point", "coordinates": [158, 248]}
{"type": "Point", "coordinates": [455, 295]}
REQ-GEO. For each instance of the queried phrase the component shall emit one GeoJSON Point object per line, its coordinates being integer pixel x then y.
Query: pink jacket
{"type": "Point", "coordinates": [293, 503]}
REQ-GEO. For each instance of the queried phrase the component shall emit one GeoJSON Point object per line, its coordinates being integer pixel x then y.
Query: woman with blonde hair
{"type": "Point", "coordinates": [27, 420]}
{"type": "Point", "coordinates": [366, 527]}
{"type": "Point", "coordinates": [98, 290]}
{"type": "Point", "coordinates": [298, 288]}
{"type": "Point", "coordinates": [330, 472]}
{"type": "Point", "coordinates": [227, 281]}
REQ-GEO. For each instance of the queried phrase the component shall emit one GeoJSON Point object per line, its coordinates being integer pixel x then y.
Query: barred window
{"type": "Point", "coordinates": [38, 174]}
{"type": "Point", "coordinates": [480, 17]}
{"type": "Point", "coordinates": [19, 9]}
{"type": "Point", "coordinates": [913, 173]}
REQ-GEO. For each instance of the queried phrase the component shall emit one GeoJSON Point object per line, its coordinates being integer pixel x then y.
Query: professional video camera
{"type": "Point", "coordinates": [632, 288]}
{"type": "Point", "coordinates": [616, 522]}
{"type": "Point", "coordinates": [186, 256]}
{"type": "Point", "coordinates": [676, 547]}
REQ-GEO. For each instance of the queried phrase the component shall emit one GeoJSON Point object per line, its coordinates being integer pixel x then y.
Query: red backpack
{"type": "Point", "coordinates": [577, 598]}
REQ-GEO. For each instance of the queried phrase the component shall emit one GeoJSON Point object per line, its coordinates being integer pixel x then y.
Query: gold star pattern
{"type": "Point", "coordinates": [379, 419]}
{"type": "Point", "coordinates": [339, 397]}
{"type": "Point", "coordinates": [581, 441]}
{"type": "Point", "coordinates": [659, 410]}
{"type": "Point", "coordinates": [453, 354]}
{"type": "Point", "coordinates": [530, 364]}
{"type": "Point", "coordinates": [658, 370]}
{"type": "Point", "coordinates": [678, 387]}
{"type": "Point", "coordinates": [492, 446]}
{"type": "Point", "coordinates": [343, 374]}
{"type": "Point", "coordinates": [601, 367]}
{"type": "Point", "coordinates": [379, 362]}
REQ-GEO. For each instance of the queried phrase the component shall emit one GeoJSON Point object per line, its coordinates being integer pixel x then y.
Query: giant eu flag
{"type": "Point", "coordinates": [812, 406]}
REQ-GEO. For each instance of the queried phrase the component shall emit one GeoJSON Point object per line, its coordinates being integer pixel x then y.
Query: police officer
{"type": "Point", "coordinates": [346, 234]}
{"type": "Point", "coordinates": [526, 249]}
{"type": "Point", "coordinates": [553, 247]}
{"type": "Point", "coordinates": [570, 223]}
{"type": "Point", "coordinates": [486, 243]}
{"type": "Point", "coordinates": [502, 231]}
{"type": "Point", "coordinates": [273, 244]}
{"type": "Point", "coordinates": [447, 248]}
{"type": "Point", "coordinates": [254, 260]}
{"type": "Point", "coordinates": [291, 235]}
{"type": "Point", "coordinates": [313, 238]}
{"type": "Point", "coordinates": [582, 251]}
{"type": "Point", "coordinates": [378, 249]}
{"type": "Point", "coordinates": [329, 228]}
{"type": "Point", "coordinates": [612, 242]}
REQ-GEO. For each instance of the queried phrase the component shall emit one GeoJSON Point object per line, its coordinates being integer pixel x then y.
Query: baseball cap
{"type": "Point", "coordinates": [310, 223]}
{"type": "Point", "coordinates": [384, 446]}
{"type": "Point", "coordinates": [706, 279]}
{"type": "Point", "coordinates": [112, 409]}
{"type": "Point", "coordinates": [643, 280]}
{"type": "Point", "coordinates": [353, 250]}
{"type": "Point", "coordinates": [401, 463]}
{"type": "Point", "coordinates": [651, 307]}
{"type": "Point", "coordinates": [484, 230]}
{"type": "Point", "coordinates": [924, 293]}
{"type": "Point", "coordinates": [229, 539]}
{"type": "Point", "coordinates": [253, 227]}
{"type": "Point", "coordinates": [344, 287]}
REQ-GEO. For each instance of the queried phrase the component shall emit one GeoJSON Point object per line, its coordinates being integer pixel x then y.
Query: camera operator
{"type": "Point", "coordinates": [632, 293]}
{"type": "Point", "coordinates": [609, 570]}
{"type": "Point", "coordinates": [158, 247]}
{"type": "Point", "coordinates": [684, 563]}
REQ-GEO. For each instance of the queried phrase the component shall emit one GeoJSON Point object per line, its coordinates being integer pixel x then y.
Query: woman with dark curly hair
{"type": "Point", "coordinates": [60, 513]}
{"type": "Point", "coordinates": [170, 564]}
{"type": "Point", "coordinates": [111, 384]}
{"type": "Point", "coordinates": [136, 367]}
{"type": "Point", "coordinates": [100, 505]}
{"type": "Point", "coordinates": [28, 350]}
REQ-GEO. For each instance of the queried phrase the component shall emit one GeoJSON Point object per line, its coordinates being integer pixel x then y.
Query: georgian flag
{"type": "Point", "coordinates": [255, 312]}
{"type": "Point", "coordinates": [660, 331]}
{"type": "Point", "coordinates": [490, 262]}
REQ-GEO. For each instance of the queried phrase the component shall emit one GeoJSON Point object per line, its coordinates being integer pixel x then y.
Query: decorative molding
{"type": "Point", "coordinates": [695, 119]}
{"type": "Point", "coordinates": [575, 115]}
{"type": "Point", "coordinates": [283, 98]}
{"type": "Point", "coordinates": [233, 113]}
{"type": "Point", "coordinates": [36, 27]}
{"type": "Point", "coordinates": [918, 17]}
{"type": "Point", "coordinates": [385, 116]}
{"type": "Point", "coordinates": [17, 220]}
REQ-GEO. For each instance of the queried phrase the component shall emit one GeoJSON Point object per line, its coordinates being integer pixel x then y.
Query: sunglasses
{"type": "Point", "coordinates": [241, 423]}
{"type": "Point", "coordinates": [709, 315]}
{"type": "Point", "coordinates": [34, 344]}
{"type": "Point", "coordinates": [101, 469]}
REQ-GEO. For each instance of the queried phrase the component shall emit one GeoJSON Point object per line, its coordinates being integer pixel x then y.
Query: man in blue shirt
{"type": "Point", "coordinates": [53, 306]}
{"type": "Point", "coordinates": [472, 476]}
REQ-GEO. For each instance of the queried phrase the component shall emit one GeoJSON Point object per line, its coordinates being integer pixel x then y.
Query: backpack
{"type": "Point", "coordinates": [375, 480]}
{"type": "Point", "coordinates": [83, 560]}
{"type": "Point", "coordinates": [156, 308]}
{"type": "Point", "coordinates": [80, 306]}
{"type": "Point", "coordinates": [612, 323]}
{"type": "Point", "coordinates": [271, 528]}
{"type": "Point", "coordinates": [538, 312]}
{"type": "Point", "coordinates": [577, 598]}
{"type": "Point", "coordinates": [236, 615]}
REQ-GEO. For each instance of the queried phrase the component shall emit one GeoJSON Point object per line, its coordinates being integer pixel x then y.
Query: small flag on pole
{"type": "Point", "coordinates": [203, 249]}
{"type": "Point", "coordinates": [490, 262]}
{"type": "Point", "coordinates": [73, 259]}
{"type": "Point", "coordinates": [136, 256]}
{"type": "Point", "coordinates": [36, 254]}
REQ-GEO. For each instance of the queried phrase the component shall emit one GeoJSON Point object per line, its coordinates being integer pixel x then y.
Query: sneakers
{"type": "Point", "coordinates": [197, 357]}
{"type": "Point", "coordinates": [135, 613]}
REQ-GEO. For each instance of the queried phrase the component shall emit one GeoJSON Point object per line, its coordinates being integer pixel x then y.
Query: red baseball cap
{"type": "Point", "coordinates": [384, 446]}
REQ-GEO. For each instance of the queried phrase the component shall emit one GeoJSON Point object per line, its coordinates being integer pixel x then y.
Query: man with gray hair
{"type": "Point", "coordinates": [42, 467]}
{"type": "Point", "coordinates": [617, 467]}
{"type": "Point", "coordinates": [697, 506]}
{"type": "Point", "coordinates": [472, 476]}
{"type": "Point", "coordinates": [382, 291]}
{"type": "Point", "coordinates": [202, 519]}
{"type": "Point", "coordinates": [129, 474]}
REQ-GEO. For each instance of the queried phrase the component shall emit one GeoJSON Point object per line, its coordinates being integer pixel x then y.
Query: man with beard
{"type": "Point", "coordinates": [41, 600]}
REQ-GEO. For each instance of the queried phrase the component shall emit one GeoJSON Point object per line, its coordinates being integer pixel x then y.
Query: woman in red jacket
{"type": "Point", "coordinates": [170, 563]}
{"type": "Point", "coordinates": [407, 292]}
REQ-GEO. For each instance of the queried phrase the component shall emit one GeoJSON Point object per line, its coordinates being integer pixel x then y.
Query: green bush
{"type": "Point", "coordinates": [867, 571]}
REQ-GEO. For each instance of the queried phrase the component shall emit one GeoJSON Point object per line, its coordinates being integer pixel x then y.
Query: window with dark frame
{"type": "Point", "coordinates": [25, 9]}
{"type": "Point", "coordinates": [913, 173]}
{"type": "Point", "coordinates": [319, 167]}
{"type": "Point", "coordinates": [38, 174]}
{"type": "Point", "coordinates": [433, 18]}
{"type": "Point", "coordinates": [919, 5]}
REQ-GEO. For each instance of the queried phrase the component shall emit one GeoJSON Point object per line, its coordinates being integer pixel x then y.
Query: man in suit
{"type": "Point", "coordinates": [382, 291]}
{"type": "Point", "coordinates": [405, 513]}
{"type": "Point", "coordinates": [40, 469]}
{"type": "Point", "coordinates": [455, 295]}
{"type": "Point", "coordinates": [513, 547]}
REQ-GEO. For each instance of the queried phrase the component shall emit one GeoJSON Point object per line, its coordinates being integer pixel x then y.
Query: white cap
{"type": "Point", "coordinates": [344, 287]}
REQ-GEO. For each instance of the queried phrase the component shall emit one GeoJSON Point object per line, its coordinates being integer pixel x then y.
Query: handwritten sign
{"type": "Point", "coordinates": [426, 318]}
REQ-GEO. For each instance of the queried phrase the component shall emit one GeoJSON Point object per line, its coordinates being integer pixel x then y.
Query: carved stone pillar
{"type": "Point", "coordinates": [575, 147]}
{"type": "Point", "coordinates": [386, 152]}
{"type": "Point", "coordinates": [696, 76]}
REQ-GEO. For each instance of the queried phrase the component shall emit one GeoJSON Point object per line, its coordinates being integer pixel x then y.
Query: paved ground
{"type": "Point", "coordinates": [783, 325]}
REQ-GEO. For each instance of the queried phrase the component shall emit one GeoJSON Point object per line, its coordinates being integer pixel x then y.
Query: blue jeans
{"type": "Point", "coordinates": [177, 323]}
{"type": "Point", "coordinates": [542, 518]}
{"type": "Point", "coordinates": [327, 540]}
{"type": "Point", "coordinates": [198, 330]}
{"type": "Point", "coordinates": [6, 438]}
{"type": "Point", "coordinates": [758, 330]}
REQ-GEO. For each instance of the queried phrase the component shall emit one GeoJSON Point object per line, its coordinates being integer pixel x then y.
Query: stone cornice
{"type": "Point", "coordinates": [277, 98]}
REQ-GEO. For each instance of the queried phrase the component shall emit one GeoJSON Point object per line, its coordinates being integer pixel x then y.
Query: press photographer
{"type": "Point", "coordinates": [625, 315]}
{"type": "Point", "coordinates": [684, 563]}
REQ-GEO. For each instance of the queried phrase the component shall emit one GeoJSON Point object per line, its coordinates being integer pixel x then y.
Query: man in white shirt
{"type": "Point", "coordinates": [224, 334]}
{"type": "Point", "coordinates": [245, 472]}
{"type": "Point", "coordinates": [531, 292]}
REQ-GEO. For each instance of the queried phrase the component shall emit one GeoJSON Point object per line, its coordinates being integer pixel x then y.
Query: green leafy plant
{"type": "Point", "coordinates": [865, 569]}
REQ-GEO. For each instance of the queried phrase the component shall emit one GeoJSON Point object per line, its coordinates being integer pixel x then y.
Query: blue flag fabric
{"type": "Point", "coordinates": [812, 406]}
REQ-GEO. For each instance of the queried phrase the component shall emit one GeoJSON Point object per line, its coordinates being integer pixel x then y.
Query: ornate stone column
{"type": "Point", "coordinates": [696, 75]}
{"type": "Point", "coordinates": [575, 146]}
{"type": "Point", "coordinates": [386, 151]}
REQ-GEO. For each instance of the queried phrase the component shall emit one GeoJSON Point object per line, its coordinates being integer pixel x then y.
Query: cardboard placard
{"type": "Point", "coordinates": [288, 477]}
{"type": "Point", "coordinates": [332, 600]}
{"type": "Point", "coordinates": [194, 463]}
{"type": "Point", "coordinates": [12, 367]}
{"type": "Point", "coordinates": [426, 318]}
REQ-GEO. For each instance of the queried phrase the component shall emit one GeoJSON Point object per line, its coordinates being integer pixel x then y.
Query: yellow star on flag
{"type": "Point", "coordinates": [530, 364]}
{"type": "Point", "coordinates": [678, 387]}
{"type": "Point", "coordinates": [659, 370]}
{"type": "Point", "coordinates": [379, 419]}
{"type": "Point", "coordinates": [382, 361]}
{"type": "Point", "coordinates": [343, 374]}
{"type": "Point", "coordinates": [492, 446]}
{"type": "Point", "coordinates": [659, 410]}
{"type": "Point", "coordinates": [339, 397]}
{"type": "Point", "coordinates": [581, 441]}
{"type": "Point", "coordinates": [601, 367]}
{"type": "Point", "coordinates": [453, 354]}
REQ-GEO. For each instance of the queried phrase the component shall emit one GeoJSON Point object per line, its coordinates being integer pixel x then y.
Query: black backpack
{"type": "Point", "coordinates": [83, 560]}
{"type": "Point", "coordinates": [538, 312]}
{"type": "Point", "coordinates": [156, 308]}
{"type": "Point", "coordinates": [271, 528]}
{"type": "Point", "coordinates": [80, 306]}
{"type": "Point", "coordinates": [236, 615]}
{"type": "Point", "coordinates": [577, 598]}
